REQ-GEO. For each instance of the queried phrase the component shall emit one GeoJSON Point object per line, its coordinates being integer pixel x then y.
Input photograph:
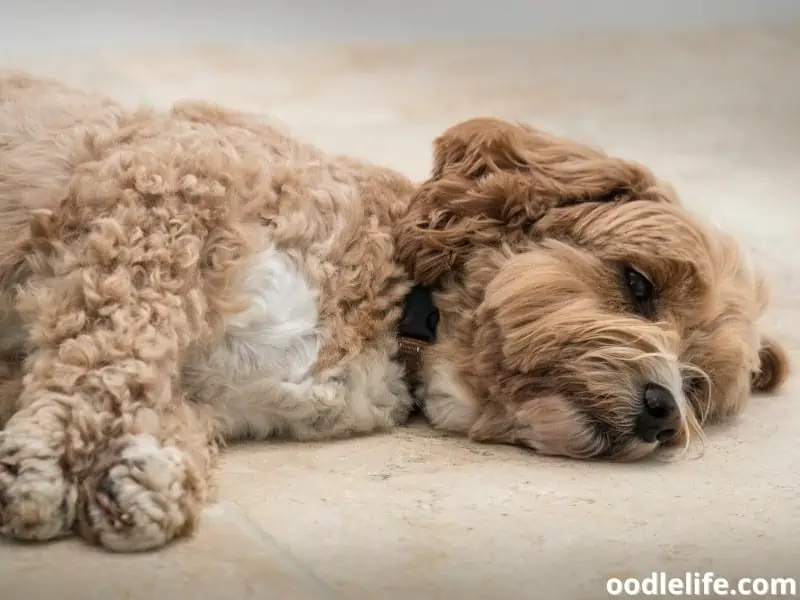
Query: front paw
{"type": "Point", "coordinates": [37, 502]}
{"type": "Point", "coordinates": [139, 497]}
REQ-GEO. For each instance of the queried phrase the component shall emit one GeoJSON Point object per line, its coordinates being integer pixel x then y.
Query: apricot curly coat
{"type": "Point", "coordinates": [172, 279]}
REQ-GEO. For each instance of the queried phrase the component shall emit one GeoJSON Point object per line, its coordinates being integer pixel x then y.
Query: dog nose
{"type": "Point", "coordinates": [659, 417]}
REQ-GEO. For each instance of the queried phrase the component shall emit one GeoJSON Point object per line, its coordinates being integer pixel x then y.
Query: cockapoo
{"type": "Point", "coordinates": [173, 279]}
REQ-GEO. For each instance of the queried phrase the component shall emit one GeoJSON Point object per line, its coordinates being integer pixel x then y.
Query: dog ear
{"type": "Point", "coordinates": [774, 366]}
{"type": "Point", "coordinates": [493, 180]}
{"type": "Point", "coordinates": [475, 146]}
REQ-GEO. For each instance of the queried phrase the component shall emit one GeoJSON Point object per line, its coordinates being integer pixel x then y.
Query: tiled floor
{"type": "Point", "coordinates": [418, 515]}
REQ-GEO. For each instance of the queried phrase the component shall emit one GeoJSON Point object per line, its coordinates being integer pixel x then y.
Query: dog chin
{"type": "Point", "coordinates": [549, 424]}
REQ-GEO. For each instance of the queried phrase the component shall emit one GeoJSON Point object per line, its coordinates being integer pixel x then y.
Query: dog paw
{"type": "Point", "coordinates": [37, 502]}
{"type": "Point", "coordinates": [140, 498]}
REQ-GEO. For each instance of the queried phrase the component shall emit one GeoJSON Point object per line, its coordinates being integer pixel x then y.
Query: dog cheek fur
{"type": "Point", "coordinates": [546, 362]}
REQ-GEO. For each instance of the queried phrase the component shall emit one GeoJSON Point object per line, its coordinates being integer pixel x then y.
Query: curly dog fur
{"type": "Point", "coordinates": [171, 280]}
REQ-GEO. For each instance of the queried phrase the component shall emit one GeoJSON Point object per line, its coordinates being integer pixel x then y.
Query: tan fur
{"type": "Point", "coordinates": [523, 234]}
{"type": "Point", "coordinates": [172, 279]}
{"type": "Point", "coordinates": [126, 236]}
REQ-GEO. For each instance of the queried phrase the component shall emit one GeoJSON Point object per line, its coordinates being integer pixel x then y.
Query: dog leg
{"type": "Point", "coordinates": [114, 380]}
{"type": "Point", "coordinates": [113, 306]}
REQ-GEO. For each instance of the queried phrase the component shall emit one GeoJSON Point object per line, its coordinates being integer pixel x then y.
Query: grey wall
{"type": "Point", "coordinates": [84, 24]}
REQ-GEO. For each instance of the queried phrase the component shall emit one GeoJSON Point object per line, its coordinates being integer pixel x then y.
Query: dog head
{"type": "Point", "coordinates": [584, 311]}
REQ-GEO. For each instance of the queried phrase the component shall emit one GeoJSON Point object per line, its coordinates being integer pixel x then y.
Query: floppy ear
{"type": "Point", "coordinates": [492, 180]}
{"type": "Point", "coordinates": [476, 145]}
{"type": "Point", "coordinates": [774, 366]}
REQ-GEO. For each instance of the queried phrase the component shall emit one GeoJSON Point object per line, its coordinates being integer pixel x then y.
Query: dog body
{"type": "Point", "coordinates": [171, 278]}
{"type": "Point", "coordinates": [253, 293]}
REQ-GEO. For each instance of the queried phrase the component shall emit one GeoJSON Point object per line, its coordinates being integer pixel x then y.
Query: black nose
{"type": "Point", "coordinates": [659, 417]}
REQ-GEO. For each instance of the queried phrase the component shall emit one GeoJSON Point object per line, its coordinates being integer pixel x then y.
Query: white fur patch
{"type": "Point", "coordinates": [278, 332]}
{"type": "Point", "coordinates": [259, 380]}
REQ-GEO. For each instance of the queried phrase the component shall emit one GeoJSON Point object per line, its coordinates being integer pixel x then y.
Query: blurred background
{"type": "Point", "coordinates": [83, 24]}
{"type": "Point", "coordinates": [705, 92]}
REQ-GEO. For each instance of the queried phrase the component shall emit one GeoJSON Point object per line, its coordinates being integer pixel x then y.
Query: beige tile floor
{"type": "Point", "coordinates": [417, 515]}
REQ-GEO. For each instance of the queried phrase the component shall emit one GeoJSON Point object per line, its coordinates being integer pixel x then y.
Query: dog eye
{"type": "Point", "coordinates": [641, 292]}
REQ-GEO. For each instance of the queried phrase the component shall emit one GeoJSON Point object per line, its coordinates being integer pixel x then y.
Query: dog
{"type": "Point", "coordinates": [174, 280]}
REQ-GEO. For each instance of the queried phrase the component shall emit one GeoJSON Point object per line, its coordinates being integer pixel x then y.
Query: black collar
{"type": "Point", "coordinates": [415, 332]}
{"type": "Point", "coordinates": [420, 317]}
